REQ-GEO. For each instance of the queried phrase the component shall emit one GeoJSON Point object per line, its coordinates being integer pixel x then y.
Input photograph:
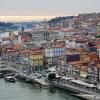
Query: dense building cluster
{"type": "Point", "coordinates": [71, 44]}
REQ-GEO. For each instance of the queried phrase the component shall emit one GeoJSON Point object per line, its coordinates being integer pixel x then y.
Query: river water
{"type": "Point", "coordinates": [25, 91]}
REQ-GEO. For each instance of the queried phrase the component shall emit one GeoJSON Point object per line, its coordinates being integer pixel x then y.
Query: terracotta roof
{"type": "Point", "coordinates": [58, 46]}
{"type": "Point", "coordinates": [97, 61]}
{"type": "Point", "coordinates": [98, 33]}
{"type": "Point", "coordinates": [11, 50]}
{"type": "Point", "coordinates": [18, 47]}
{"type": "Point", "coordinates": [75, 63]}
{"type": "Point", "coordinates": [69, 30]}
{"type": "Point", "coordinates": [98, 47]}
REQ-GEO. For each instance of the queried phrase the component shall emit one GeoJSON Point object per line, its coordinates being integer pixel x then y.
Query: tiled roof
{"type": "Point", "coordinates": [69, 30]}
{"type": "Point", "coordinates": [18, 47]}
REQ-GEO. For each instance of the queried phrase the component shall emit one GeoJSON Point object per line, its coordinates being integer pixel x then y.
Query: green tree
{"type": "Point", "coordinates": [51, 76]}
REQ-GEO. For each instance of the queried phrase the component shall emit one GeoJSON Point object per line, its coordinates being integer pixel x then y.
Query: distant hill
{"type": "Point", "coordinates": [59, 19]}
{"type": "Point", "coordinates": [7, 27]}
{"type": "Point", "coordinates": [26, 25]}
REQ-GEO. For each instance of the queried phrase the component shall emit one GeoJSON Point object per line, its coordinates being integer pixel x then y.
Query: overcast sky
{"type": "Point", "coordinates": [47, 7]}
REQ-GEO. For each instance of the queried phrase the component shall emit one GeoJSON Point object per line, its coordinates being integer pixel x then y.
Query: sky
{"type": "Point", "coordinates": [38, 9]}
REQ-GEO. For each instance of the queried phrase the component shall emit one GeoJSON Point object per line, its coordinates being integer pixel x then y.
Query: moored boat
{"type": "Point", "coordinates": [10, 79]}
{"type": "Point", "coordinates": [1, 75]}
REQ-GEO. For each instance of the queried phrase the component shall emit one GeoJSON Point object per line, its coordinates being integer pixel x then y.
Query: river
{"type": "Point", "coordinates": [25, 91]}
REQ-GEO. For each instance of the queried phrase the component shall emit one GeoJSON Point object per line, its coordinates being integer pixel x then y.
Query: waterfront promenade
{"type": "Point", "coordinates": [79, 90]}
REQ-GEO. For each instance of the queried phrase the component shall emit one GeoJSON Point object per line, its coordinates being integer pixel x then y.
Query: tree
{"type": "Point", "coordinates": [51, 76]}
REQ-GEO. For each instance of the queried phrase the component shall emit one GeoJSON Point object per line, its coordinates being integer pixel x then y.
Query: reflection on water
{"type": "Point", "coordinates": [24, 91]}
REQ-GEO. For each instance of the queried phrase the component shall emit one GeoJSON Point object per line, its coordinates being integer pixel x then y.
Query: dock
{"type": "Point", "coordinates": [34, 80]}
{"type": "Point", "coordinates": [78, 92]}
{"type": "Point", "coordinates": [88, 96]}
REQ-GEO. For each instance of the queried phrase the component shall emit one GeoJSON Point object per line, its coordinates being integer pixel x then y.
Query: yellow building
{"type": "Point", "coordinates": [38, 60]}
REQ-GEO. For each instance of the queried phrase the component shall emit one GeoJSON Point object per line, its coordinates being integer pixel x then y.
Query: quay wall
{"type": "Point", "coordinates": [73, 89]}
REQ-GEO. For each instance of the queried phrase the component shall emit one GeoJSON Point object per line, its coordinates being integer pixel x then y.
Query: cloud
{"type": "Point", "coordinates": [23, 18]}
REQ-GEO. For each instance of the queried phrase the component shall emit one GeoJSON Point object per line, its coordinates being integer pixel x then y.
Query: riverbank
{"type": "Point", "coordinates": [36, 79]}
{"type": "Point", "coordinates": [78, 91]}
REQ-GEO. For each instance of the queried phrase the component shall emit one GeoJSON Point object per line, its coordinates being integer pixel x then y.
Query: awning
{"type": "Point", "coordinates": [66, 78]}
{"type": "Point", "coordinates": [78, 82]}
{"type": "Point", "coordinates": [83, 83]}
